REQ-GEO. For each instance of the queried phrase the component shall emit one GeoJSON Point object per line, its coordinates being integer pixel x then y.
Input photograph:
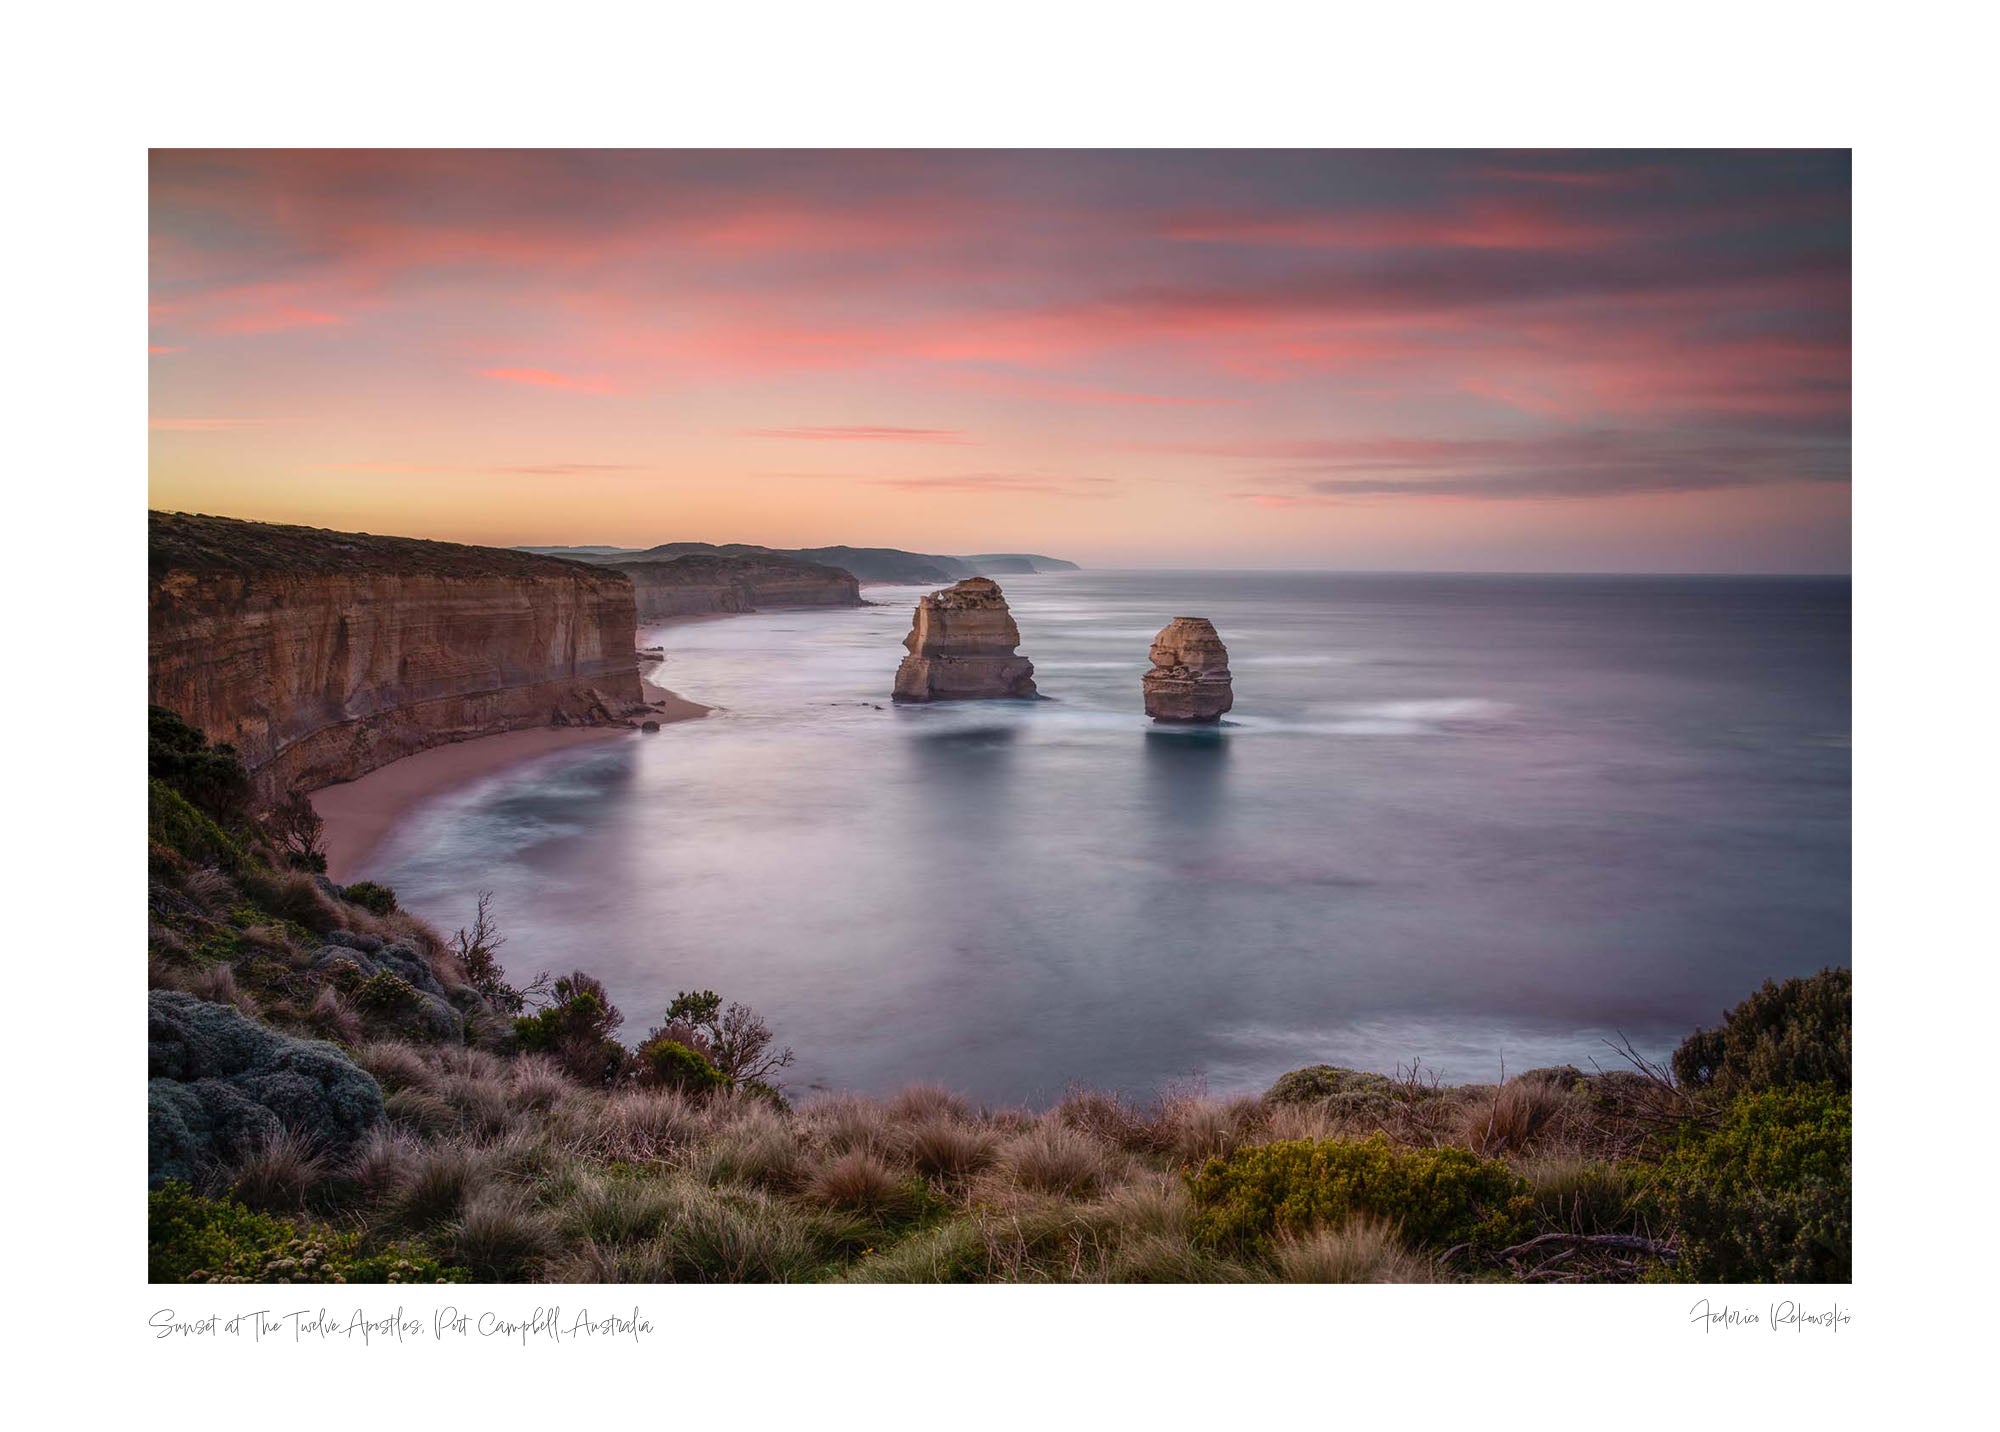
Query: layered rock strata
{"type": "Point", "coordinates": [1190, 677]}
{"type": "Point", "coordinates": [962, 647]}
{"type": "Point", "coordinates": [321, 655]}
{"type": "Point", "coordinates": [700, 583]}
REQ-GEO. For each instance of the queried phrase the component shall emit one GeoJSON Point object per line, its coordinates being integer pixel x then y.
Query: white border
{"type": "Point", "coordinates": [92, 90]}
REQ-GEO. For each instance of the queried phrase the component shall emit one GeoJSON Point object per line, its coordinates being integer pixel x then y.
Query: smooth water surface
{"type": "Point", "coordinates": [1473, 821]}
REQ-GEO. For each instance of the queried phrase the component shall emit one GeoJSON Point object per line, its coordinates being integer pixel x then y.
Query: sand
{"type": "Point", "coordinates": [359, 813]}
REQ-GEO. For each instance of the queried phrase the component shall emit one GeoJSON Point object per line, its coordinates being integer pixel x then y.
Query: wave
{"type": "Point", "coordinates": [1450, 708]}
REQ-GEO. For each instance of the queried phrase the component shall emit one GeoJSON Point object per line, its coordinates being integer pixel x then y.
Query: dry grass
{"type": "Point", "coordinates": [296, 896]}
{"type": "Point", "coordinates": [482, 1102]}
{"type": "Point", "coordinates": [640, 1125]}
{"type": "Point", "coordinates": [1574, 1194]}
{"type": "Point", "coordinates": [437, 1185]}
{"type": "Point", "coordinates": [422, 1111]}
{"type": "Point", "coordinates": [1361, 1250]}
{"type": "Point", "coordinates": [502, 1237]}
{"type": "Point", "coordinates": [939, 1147]}
{"type": "Point", "coordinates": [1516, 1115]}
{"type": "Point", "coordinates": [1284, 1122]}
{"type": "Point", "coordinates": [280, 1173]}
{"type": "Point", "coordinates": [538, 1082]}
{"type": "Point", "coordinates": [217, 984]}
{"type": "Point", "coordinates": [213, 889]}
{"type": "Point", "coordinates": [1054, 1158]}
{"type": "Point", "coordinates": [1107, 1118]}
{"type": "Point", "coordinates": [383, 1164]}
{"type": "Point", "coordinates": [1192, 1129]}
{"type": "Point", "coordinates": [843, 1122]}
{"type": "Point", "coordinates": [508, 1167]}
{"type": "Point", "coordinates": [331, 1017]}
{"type": "Point", "coordinates": [927, 1103]}
{"type": "Point", "coordinates": [860, 1182]}
{"type": "Point", "coordinates": [395, 1066]}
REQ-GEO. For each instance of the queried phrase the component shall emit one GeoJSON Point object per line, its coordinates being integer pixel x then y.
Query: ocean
{"type": "Point", "coordinates": [1472, 824]}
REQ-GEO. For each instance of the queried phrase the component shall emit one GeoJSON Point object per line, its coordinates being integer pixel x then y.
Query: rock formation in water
{"type": "Point", "coordinates": [699, 583]}
{"type": "Point", "coordinates": [962, 647]}
{"type": "Point", "coordinates": [321, 655]}
{"type": "Point", "coordinates": [1190, 676]}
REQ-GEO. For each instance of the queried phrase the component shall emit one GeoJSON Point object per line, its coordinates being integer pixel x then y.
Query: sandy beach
{"type": "Point", "coordinates": [359, 813]}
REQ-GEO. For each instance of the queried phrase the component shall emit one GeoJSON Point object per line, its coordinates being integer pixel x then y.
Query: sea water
{"type": "Point", "coordinates": [1474, 824]}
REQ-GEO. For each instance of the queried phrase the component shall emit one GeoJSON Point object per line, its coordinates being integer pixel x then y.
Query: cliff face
{"type": "Point", "coordinates": [705, 582]}
{"type": "Point", "coordinates": [321, 655]}
{"type": "Point", "coordinates": [962, 647]}
{"type": "Point", "coordinates": [1190, 677]}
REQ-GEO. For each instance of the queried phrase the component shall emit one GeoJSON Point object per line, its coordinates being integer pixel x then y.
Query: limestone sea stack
{"type": "Point", "coordinates": [962, 647]}
{"type": "Point", "coordinates": [1190, 676]}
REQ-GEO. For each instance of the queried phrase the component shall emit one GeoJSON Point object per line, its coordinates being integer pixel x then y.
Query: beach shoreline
{"type": "Point", "coordinates": [359, 814]}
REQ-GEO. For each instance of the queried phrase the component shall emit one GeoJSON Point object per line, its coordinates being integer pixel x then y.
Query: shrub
{"type": "Point", "coordinates": [190, 1239]}
{"type": "Point", "coordinates": [174, 823]}
{"type": "Point", "coordinates": [670, 1064]}
{"type": "Point", "coordinates": [575, 1029]}
{"type": "Point", "coordinates": [1798, 1032]}
{"type": "Point", "coordinates": [386, 993]}
{"type": "Point", "coordinates": [736, 1039]}
{"type": "Point", "coordinates": [1437, 1197]}
{"type": "Point", "coordinates": [298, 829]}
{"type": "Point", "coordinates": [375, 899]}
{"type": "Point", "coordinates": [1329, 1083]}
{"type": "Point", "coordinates": [1767, 1197]}
{"type": "Point", "coordinates": [209, 778]}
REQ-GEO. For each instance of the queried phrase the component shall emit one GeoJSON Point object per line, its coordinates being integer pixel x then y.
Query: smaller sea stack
{"type": "Point", "coordinates": [962, 647]}
{"type": "Point", "coordinates": [1190, 676]}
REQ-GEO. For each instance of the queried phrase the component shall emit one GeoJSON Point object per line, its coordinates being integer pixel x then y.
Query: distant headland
{"type": "Point", "coordinates": [868, 564]}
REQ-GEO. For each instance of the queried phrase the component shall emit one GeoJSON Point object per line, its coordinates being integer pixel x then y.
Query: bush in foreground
{"type": "Point", "coordinates": [1437, 1198]}
{"type": "Point", "coordinates": [1798, 1032]}
{"type": "Point", "coordinates": [190, 1239]}
{"type": "Point", "coordinates": [1767, 1197]}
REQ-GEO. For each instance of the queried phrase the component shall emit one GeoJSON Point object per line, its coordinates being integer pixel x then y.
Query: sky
{"type": "Point", "coordinates": [1424, 360]}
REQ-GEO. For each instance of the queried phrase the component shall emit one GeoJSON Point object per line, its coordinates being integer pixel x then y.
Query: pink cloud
{"type": "Point", "coordinates": [206, 425]}
{"type": "Point", "coordinates": [839, 434]}
{"type": "Point", "coordinates": [547, 378]}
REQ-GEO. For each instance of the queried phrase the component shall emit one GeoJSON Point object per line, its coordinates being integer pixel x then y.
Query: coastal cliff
{"type": "Point", "coordinates": [321, 655]}
{"type": "Point", "coordinates": [700, 583]}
